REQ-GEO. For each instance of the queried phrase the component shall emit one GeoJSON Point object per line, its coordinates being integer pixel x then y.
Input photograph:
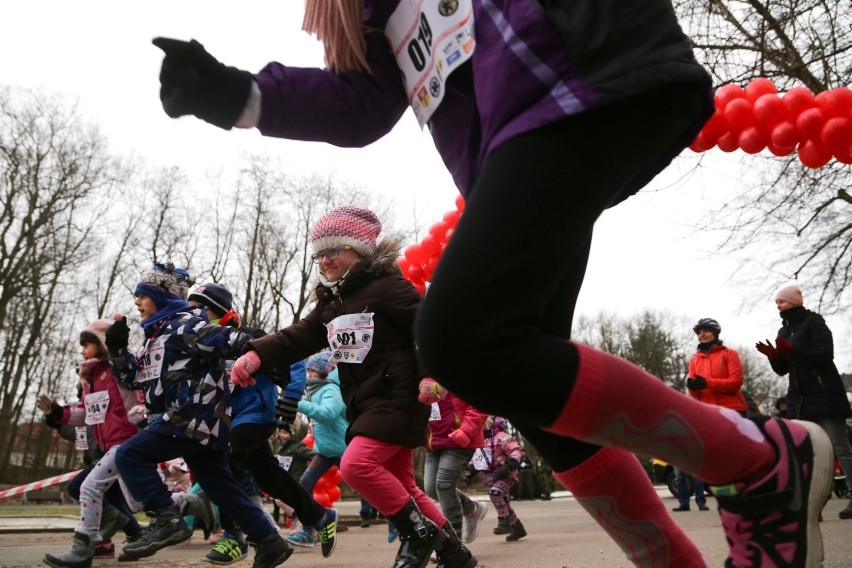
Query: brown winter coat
{"type": "Point", "coordinates": [380, 393]}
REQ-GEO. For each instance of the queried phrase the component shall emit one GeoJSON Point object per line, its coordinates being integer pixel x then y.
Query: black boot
{"type": "Point", "coordinates": [516, 531]}
{"type": "Point", "coordinates": [502, 526]}
{"type": "Point", "coordinates": [80, 556]}
{"type": "Point", "coordinates": [452, 553]}
{"type": "Point", "coordinates": [365, 520]}
{"type": "Point", "coordinates": [166, 528]}
{"type": "Point", "coordinates": [418, 537]}
{"type": "Point", "coordinates": [271, 550]}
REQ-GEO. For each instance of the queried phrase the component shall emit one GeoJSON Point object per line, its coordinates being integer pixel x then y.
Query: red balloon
{"type": "Point", "coordinates": [739, 114]}
{"type": "Point", "coordinates": [728, 142]}
{"type": "Point", "coordinates": [460, 203]}
{"type": "Point", "coordinates": [843, 156]}
{"type": "Point", "coordinates": [796, 100]}
{"type": "Point", "coordinates": [835, 102]}
{"type": "Point", "coordinates": [814, 154]}
{"type": "Point", "coordinates": [810, 123]}
{"type": "Point", "coordinates": [752, 140]}
{"type": "Point", "coordinates": [322, 498]}
{"type": "Point", "coordinates": [769, 111]}
{"type": "Point", "coordinates": [726, 94]}
{"type": "Point", "coordinates": [451, 218]}
{"type": "Point", "coordinates": [431, 245]}
{"type": "Point", "coordinates": [333, 493]}
{"type": "Point", "coordinates": [415, 274]}
{"type": "Point", "coordinates": [438, 230]}
{"type": "Point", "coordinates": [421, 288]}
{"type": "Point", "coordinates": [702, 143]}
{"type": "Point", "coordinates": [449, 235]}
{"type": "Point", "coordinates": [431, 265]}
{"type": "Point", "coordinates": [715, 127]}
{"type": "Point", "coordinates": [760, 87]}
{"type": "Point", "coordinates": [404, 265]}
{"type": "Point", "coordinates": [780, 150]}
{"type": "Point", "coordinates": [336, 476]}
{"type": "Point", "coordinates": [416, 254]}
{"type": "Point", "coordinates": [785, 135]}
{"type": "Point", "coordinates": [837, 134]}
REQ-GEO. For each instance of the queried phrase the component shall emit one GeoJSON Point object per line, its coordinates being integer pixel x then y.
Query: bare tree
{"type": "Point", "coordinates": [795, 222]}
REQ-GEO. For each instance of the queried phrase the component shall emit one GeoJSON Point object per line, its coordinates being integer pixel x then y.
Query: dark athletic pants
{"type": "Point", "coordinates": [494, 323]}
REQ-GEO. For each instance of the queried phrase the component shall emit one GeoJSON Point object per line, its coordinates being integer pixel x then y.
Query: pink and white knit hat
{"type": "Point", "coordinates": [357, 227]}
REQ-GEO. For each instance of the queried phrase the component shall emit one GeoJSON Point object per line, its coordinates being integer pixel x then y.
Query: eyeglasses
{"type": "Point", "coordinates": [329, 253]}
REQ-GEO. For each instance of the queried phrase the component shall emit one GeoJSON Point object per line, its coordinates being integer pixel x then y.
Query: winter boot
{"type": "Point", "coordinates": [418, 537]}
{"type": "Point", "coordinates": [166, 528]}
{"type": "Point", "coordinates": [365, 520]}
{"type": "Point", "coordinates": [270, 551]}
{"type": "Point", "coordinates": [112, 521]}
{"type": "Point", "coordinates": [502, 526]}
{"type": "Point", "coordinates": [200, 506]}
{"type": "Point", "coordinates": [80, 556]}
{"type": "Point", "coordinates": [516, 531]}
{"type": "Point", "coordinates": [452, 553]}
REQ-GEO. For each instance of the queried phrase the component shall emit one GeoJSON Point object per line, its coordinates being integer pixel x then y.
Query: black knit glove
{"type": "Point", "coordinates": [194, 82]}
{"type": "Point", "coordinates": [698, 383]}
{"type": "Point", "coordinates": [117, 336]}
{"type": "Point", "coordinates": [286, 409]}
{"type": "Point", "coordinates": [506, 469]}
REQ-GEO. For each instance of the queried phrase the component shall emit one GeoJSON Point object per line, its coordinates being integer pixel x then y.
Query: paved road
{"type": "Point", "coordinates": [561, 535]}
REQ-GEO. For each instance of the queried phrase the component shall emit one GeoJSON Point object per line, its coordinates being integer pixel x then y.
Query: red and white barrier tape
{"type": "Point", "coordinates": [39, 484]}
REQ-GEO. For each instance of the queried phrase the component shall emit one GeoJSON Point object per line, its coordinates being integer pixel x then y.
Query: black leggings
{"type": "Point", "coordinates": [494, 323]}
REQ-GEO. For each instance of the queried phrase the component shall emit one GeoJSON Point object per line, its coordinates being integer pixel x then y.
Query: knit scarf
{"type": "Point", "coordinates": [334, 285]}
{"type": "Point", "coordinates": [173, 306]}
{"type": "Point", "coordinates": [313, 384]}
{"type": "Point", "coordinates": [706, 347]}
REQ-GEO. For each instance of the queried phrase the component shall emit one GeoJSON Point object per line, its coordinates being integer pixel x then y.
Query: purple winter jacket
{"type": "Point", "coordinates": [531, 66]}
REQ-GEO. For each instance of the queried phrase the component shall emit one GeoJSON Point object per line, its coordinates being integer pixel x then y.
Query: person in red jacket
{"type": "Point", "coordinates": [715, 371]}
{"type": "Point", "coordinates": [455, 431]}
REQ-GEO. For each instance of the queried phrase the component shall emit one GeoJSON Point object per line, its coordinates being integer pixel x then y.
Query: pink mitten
{"type": "Point", "coordinates": [431, 391]}
{"type": "Point", "coordinates": [244, 368]}
{"type": "Point", "coordinates": [460, 438]}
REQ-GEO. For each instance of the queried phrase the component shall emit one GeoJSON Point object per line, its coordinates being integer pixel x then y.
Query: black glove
{"type": "Point", "coordinates": [698, 383]}
{"type": "Point", "coordinates": [468, 475]}
{"type": "Point", "coordinates": [194, 82]}
{"type": "Point", "coordinates": [117, 336]}
{"type": "Point", "coordinates": [286, 409]}
{"type": "Point", "coordinates": [506, 469]}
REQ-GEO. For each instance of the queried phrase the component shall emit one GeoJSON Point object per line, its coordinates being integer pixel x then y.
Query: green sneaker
{"type": "Point", "coordinates": [226, 551]}
{"type": "Point", "coordinates": [326, 531]}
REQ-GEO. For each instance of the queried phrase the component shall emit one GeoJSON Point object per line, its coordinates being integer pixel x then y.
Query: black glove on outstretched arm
{"type": "Point", "coordinates": [117, 336]}
{"type": "Point", "coordinates": [194, 82]}
{"type": "Point", "coordinates": [286, 409]}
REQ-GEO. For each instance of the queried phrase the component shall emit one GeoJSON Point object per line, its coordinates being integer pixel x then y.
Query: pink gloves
{"type": "Point", "coordinates": [431, 391]}
{"type": "Point", "coordinates": [244, 368]}
{"type": "Point", "coordinates": [460, 438]}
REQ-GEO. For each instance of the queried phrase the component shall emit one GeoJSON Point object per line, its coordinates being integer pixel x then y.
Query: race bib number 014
{"type": "Point", "coordinates": [350, 337]}
{"type": "Point", "coordinates": [430, 39]}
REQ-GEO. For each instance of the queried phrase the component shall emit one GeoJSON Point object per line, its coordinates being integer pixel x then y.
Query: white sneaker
{"type": "Point", "coordinates": [471, 525]}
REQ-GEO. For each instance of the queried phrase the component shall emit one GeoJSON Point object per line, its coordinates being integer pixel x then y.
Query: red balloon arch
{"type": "Point", "coordinates": [754, 118]}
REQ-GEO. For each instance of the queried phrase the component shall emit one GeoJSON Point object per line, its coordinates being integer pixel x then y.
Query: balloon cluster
{"type": "Point", "coordinates": [327, 489]}
{"type": "Point", "coordinates": [754, 118]}
{"type": "Point", "coordinates": [421, 258]}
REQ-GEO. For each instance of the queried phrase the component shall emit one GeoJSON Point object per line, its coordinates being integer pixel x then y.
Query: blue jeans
{"type": "Point", "coordinates": [137, 461]}
{"type": "Point", "coordinates": [441, 474]}
{"type": "Point", "coordinates": [683, 490]}
{"type": "Point", "coordinates": [318, 466]}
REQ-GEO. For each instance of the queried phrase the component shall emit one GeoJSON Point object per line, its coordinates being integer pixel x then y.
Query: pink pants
{"type": "Point", "coordinates": [383, 474]}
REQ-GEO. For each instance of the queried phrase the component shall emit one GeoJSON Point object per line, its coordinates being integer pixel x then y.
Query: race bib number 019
{"type": "Point", "coordinates": [350, 337]}
{"type": "Point", "coordinates": [430, 39]}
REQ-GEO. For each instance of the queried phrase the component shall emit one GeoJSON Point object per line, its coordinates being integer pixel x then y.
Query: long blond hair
{"type": "Point", "coordinates": [338, 25]}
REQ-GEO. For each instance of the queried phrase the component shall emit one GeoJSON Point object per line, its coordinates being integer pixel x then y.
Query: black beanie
{"type": "Point", "coordinates": [215, 297]}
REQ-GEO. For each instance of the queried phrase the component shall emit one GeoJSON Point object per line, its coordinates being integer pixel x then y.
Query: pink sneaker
{"type": "Point", "coordinates": [774, 522]}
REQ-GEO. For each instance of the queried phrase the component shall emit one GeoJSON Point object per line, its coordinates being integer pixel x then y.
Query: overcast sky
{"type": "Point", "coordinates": [646, 253]}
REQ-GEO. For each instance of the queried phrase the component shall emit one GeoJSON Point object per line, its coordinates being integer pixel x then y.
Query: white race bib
{"type": "Point", "coordinates": [151, 359]}
{"type": "Point", "coordinates": [481, 459]}
{"type": "Point", "coordinates": [436, 413]}
{"type": "Point", "coordinates": [350, 337]}
{"type": "Point", "coordinates": [96, 407]}
{"type": "Point", "coordinates": [81, 440]}
{"type": "Point", "coordinates": [430, 39]}
{"type": "Point", "coordinates": [284, 462]}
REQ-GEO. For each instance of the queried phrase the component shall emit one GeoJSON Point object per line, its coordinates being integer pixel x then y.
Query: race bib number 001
{"type": "Point", "coordinates": [350, 337]}
{"type": "Point", "coordinates": [430, 39]}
